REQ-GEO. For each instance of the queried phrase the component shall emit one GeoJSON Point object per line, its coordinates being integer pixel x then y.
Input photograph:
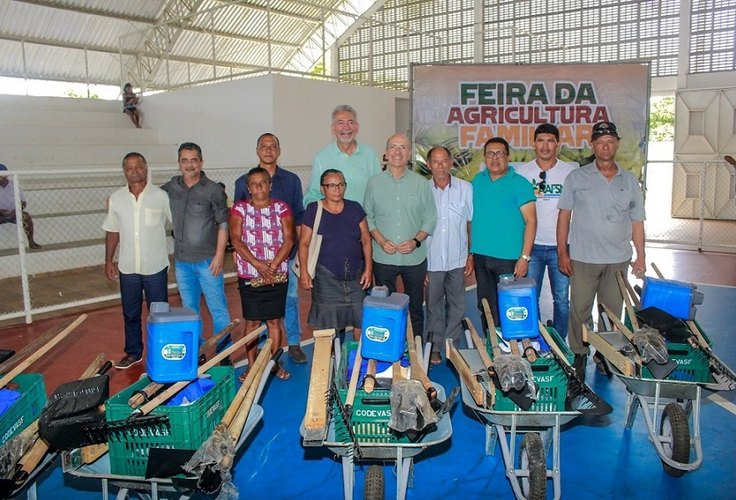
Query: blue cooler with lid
{"type": "Point", "coordinates": [517, 308]}
{"type": "Point", "coordinates": [675, 297]}
{"type": "Point", "coordinates": [172, 351]}
{"type": "Point", "coordinates": [384, 325]}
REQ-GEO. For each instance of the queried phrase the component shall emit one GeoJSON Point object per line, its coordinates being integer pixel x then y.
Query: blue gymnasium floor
{"type": "Point", "coordinates": [600, 459]}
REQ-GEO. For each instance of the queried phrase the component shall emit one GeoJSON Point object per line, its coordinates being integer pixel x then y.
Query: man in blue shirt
{"type": "Point", "coordinates": [287, 187]}
{"type": "Point", "coordinates": [504, 223]}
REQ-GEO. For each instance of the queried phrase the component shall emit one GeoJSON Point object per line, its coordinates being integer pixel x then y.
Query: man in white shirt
{"type": "Point", "coordinates": [136, 221]}
{"type": "Point", "coordinates": [547, 173]}
{"type": "Point", "coordinates": [448, 260]}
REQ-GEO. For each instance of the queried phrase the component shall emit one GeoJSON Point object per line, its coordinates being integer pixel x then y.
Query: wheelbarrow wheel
{"type": "Point", "coordinates": [532, 458]}
{"type": "Point", "coordinates": [676, 429]}
{"type": "Point", "coordinates": [374, 483]}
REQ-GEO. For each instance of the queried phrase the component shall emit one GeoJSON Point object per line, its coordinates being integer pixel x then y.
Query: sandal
{"type": "Point", "coordinates": [279, 370]}
{"type": "Point", "coordinates": [242, 376]}
{"type": "Point", "coordinates": [435, 358]}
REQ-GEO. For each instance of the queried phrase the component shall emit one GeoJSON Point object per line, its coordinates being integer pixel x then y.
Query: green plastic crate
{"type": "Point", "coordinates": [692, 364]}
{"type": "Point", "coordinates": [371, 412]}
{"type": "Point", "coordinates": [549, 377]}
{"type": "Point", "coordinates": [191, 425]}
{"type": "Point", "coordinates": [26, 409]}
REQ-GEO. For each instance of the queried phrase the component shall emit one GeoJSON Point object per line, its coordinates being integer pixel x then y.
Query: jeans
{"type": "Point", "coordinates": [546, 256]}
{"type": "Point", "coordinates": [195, 278]}
{"type": "Point", "coordinates": [132, 287]}
{"type": "Point", "coordinates": [488, 270]}
{"type": "Point", "coordinates": [291, 318]}
{"type": "Point", "coordinates": [413, 278]}
{"type": "Point", "coordinates": [445, 306]}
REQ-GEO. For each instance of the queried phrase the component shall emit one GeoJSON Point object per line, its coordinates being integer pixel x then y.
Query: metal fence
{"type": "Point", "coordinates": [689, 204]}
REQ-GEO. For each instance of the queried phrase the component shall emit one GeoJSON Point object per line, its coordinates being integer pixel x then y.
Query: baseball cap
{"type": "Point", "coordinates": [604, 128]}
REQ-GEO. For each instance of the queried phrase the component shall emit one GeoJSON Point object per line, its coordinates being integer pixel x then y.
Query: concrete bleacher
{"type": "Point", "coordinates": [68, 155]}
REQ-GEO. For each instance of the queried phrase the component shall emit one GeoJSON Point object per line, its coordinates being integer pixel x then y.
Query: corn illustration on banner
{"type": "Point", "coordinates": [462, 106]}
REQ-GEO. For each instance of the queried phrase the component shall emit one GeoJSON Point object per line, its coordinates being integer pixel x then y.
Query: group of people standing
{"type": "Point", "coordinates": [376, 226]}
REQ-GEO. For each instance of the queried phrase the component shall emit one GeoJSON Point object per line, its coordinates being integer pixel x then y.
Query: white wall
{"type": "Point", "coordinates": [226, 119]}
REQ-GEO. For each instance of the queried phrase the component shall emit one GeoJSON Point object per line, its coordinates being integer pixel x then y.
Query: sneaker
{"type": "Point", "coordinates": [128, 361]}
{"type": "Point", "coordinates": [297, 355]}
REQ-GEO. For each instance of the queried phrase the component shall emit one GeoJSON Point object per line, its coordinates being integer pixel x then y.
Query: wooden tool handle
{"type": "Point", "coordinates": [619, 324]}
{"type": "Point", "coordinates": [698, 334]}
{"type": "Point", "coordinates": [174, 388]}
{"type": "Point", "coordinates": [249, 379]}
{"type": "Point", "coordinates": [369, 382]}
{"type": "Point", "coordinates": [94, 367]}
{"type": "Point", "coordinates": [552, 344]}
{"type": "Point", "coordinates": [626, 332]}
{"type": "Point", "coordinates": [480, 346]}
{"type": "Point", "coordinates": [212, 341]}
{"type": "Point", "coordinates": [657, 271]}
{"type": "Point", "coordinates": [465, 372]}
{"type": "Point", "coordinates": [491, 327]}
{"type": "Point", "coordinates": [417, 370]}
{"type": "Point", "coordinates": [621, 362]}
{"type": "Point", "coordinates": [529, 351]}
{"type": "Point", "coordinates": [315, 416]}
{"type": "Point", "coordinates": [627, 301]}
{"type": "Point", "coordinates": [41, 351]}
{"type": "Point", "coordinates": [238, 423]}
{"type": "Point", "coordinates": [33, 346]}
{"type": "Point", "coordinates": [354, 375]}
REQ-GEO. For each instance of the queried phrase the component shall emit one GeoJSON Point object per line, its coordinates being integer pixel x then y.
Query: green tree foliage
{"type": "Point", "coordinates": [662, 119]}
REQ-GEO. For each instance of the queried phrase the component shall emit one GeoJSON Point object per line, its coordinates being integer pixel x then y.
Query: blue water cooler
{"type": "Point", "coordinates": [172, 350]}
{"type": "Point", "coordinates": [384, 325]}
{"type": "Point", "coordinates": [517, 308]}
{"type": "Point", "coordinates": [675, 297]}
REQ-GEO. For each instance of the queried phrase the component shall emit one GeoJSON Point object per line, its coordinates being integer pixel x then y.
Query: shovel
{"type": "Point", "coordinates": [519, 397]}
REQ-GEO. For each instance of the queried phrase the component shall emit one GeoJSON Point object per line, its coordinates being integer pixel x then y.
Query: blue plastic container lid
{"type": "Point", "coordinates": [394, 301]}
{"type": "Point", "coordinates": [161, 312]}
{"type": "Point", "coordinates": [517, 284]}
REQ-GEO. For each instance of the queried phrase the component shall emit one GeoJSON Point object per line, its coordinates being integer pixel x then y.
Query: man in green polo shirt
{"type": "Point", "coordinates": [401, 214]}
{"type": "Point", "coordinates": [504, 222]}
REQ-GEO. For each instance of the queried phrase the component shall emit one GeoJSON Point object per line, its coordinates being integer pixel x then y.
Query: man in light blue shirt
{"type": "Point", "coordinates": [401, 214]}
{"type": "Point", "coordinates": [357, 162]}
{"type": "Point", "coordinates": [448, 261]}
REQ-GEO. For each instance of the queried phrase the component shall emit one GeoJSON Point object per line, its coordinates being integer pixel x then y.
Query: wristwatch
{"type": "Point", "coordinates": [526, 258]}
{"type": "Point", "coordinates": [419, 243]}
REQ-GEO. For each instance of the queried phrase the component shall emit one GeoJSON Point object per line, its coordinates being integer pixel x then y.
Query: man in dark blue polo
{"type": "Point", "coordinates": [287, 187]}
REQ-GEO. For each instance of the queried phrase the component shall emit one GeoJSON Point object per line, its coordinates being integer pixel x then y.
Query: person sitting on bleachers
{"type": "Point", "coordinates": [7, 208]}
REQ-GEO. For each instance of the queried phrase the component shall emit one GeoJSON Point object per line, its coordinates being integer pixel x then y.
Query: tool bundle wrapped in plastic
{"type": "Point", "coordinates": [651, 345]}
{"type": "Point", "coordinates": [410, 407]}
{"type": "Point", "coordinates": [514, 373]}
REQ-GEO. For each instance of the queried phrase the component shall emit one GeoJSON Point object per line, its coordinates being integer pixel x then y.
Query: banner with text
{"type": "Point", "coordinates": [462, 106]}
